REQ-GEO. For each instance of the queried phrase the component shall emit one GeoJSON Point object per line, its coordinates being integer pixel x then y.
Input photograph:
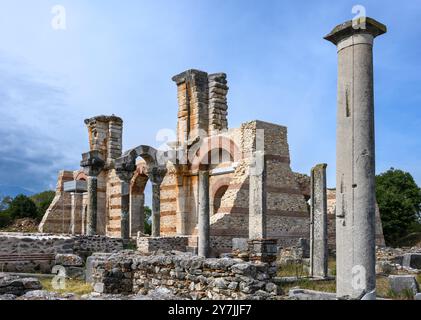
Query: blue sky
{"type": "Point", "coordinates": [119, 56]}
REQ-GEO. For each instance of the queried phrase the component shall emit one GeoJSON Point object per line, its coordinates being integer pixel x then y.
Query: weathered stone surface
{"type": "Point", "coordinates": [384, 267]}
{"type": "Point", "coordinates": [318, 223]}
{"type": "Point", "coordinates": [184, 275]}
{"type": "Point", "coordinates": [240, 244]}
{"type": "Point", "coordinates": [45, 295]}
{"type": "Point", "coordinates": [355, 165]}
{"type": "Point", "coordinates": [301, 294]}
{"type": "Point", "coordinates": [17, 286]}
{"type": "Point", "coordinates": [417, 296]}
{"type": "Point", "coordinates": [68, 260]}
{"type": "Point", "coordinates": [401, 283]}
{"type": "Point", "coordinates": [412, 260]}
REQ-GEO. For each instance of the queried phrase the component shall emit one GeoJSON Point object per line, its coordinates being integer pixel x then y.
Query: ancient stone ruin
{"type": "Point", "coordinates": [225, 202]}
{"type": "Point", "coordinates": [205, 183]}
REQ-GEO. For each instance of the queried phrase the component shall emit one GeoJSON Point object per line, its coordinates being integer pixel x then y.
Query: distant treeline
{"type": "Point", "coordinates": [23, 206]}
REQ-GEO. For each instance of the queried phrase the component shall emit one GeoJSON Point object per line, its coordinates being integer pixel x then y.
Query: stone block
{"type": "Point", "coordinates": [412, 260]}
{"type": "Point", "coordinates": [240, 244]}
{"type": "Point", "coordinates": [401, 283]}
{"type": "Point", "coordinates": [301, 294]}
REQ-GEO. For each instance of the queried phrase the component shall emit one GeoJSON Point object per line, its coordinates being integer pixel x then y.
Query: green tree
{"type": "Point", "coordinates": [399, 200]}
{"type": "Point", "coordinates": [148, 224]}
{"type": "Point", "coordinates": [5, 203]}
{"type": "Point", "coordinates": [42, 201]}
{"type": "Point", "coordinates": [5, 218]}
{"type": "Point", "coordinates": [22, 207]}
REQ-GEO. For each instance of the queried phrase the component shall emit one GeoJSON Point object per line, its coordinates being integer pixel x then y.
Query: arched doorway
{"type": "Point", "coordinates": [137, 201]}
{"type": "Point", "coordinates": [218, 197]}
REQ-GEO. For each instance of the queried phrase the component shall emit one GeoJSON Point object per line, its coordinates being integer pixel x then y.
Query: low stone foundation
{"type": "Point", "coordinates": [34, 253]}
{"type": "Point", "coordinates": [185, 275]}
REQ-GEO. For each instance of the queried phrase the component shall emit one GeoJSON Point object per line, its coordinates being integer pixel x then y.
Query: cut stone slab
{"type": "Point", "coordinates": [412, 260]}
{"type": "Point", "coordinates": [402, 283]}
{"type": "Point", "coordinates": [417, 296]}
{"type": "Point", "coordinates": [302, 294]}
{"type": "Point", "coordinates": [45, 295]}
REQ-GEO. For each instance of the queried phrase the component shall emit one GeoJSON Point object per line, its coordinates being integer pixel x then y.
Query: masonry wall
{"type": "Point", "coordinates": [58, 215]}
{"type": "Point", "coordinates": [287, 211]}
{"type": "Point", "coordinates": [186, 276]}
{"type": "Point", "coordinates": [22, 244]}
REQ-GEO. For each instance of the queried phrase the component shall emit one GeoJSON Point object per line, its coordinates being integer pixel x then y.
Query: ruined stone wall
{"type": "Point", "coordinates": [148, 244]}
{"type": "Point", "coordinates": [57, 216]}
{"type": "Point", "coordinates": [23, 244]}
{"type": "Point", "coordinates": [186, 276]}
{"type": "Point", "coordinates": [288, 217]}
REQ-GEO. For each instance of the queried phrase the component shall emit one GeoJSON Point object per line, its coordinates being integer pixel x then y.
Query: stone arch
{"type": "Point", "coordinates": [215, 150]}
{"type": "Point", "coordinates": [137, 200]}
{"type": "Point", "coordinates": [218, 188]}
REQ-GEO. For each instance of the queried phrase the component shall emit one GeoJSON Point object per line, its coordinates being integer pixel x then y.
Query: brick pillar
{"type": "Point", "coordinates": [193, 104]}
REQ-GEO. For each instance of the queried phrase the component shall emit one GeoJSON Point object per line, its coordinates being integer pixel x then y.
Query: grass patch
{"type": "Point", "coordinates": [382, 286]}
{"type": "Point", "coordinates": [77, 287]}
{"type": "Point", "coordinates": [298, 270]}
{"type": "Point", "coordinates": [332, 266]}
{"type": "Point", "coordinates": [324, 286]}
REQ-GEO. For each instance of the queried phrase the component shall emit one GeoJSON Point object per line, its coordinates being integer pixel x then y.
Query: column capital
{"type": "Point", "coordinates": [156, 174]}
{"type": "Point", "coordinates": [320, 166]}
{"type": "Point", "coordinates": [125, 166]}
{"type": "Point", "coordinates": [364, 25]}
{"type": "Point", "coordinates": [92, 163]}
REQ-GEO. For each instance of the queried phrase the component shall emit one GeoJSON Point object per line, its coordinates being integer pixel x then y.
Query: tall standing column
{"type": "Point", "coordinates": [204, 216]}
{"type": "Point", "coordinates": [92, 163]}
{"type": "Point", "coordinates": [91, 212]}
{"type": "Point", "coordinates": [125, 210]}
{"type": "Point", "coordinates": [355, 160]}
{"type": "Point", "coordinates": [76, 212]}
{"type": "Point", "coordinates": [318, 223]}
{"type": "Point", "coordinates": [156, 176]}
{"type": "Point", "coordinates": [156, 209]}
{"type": "Point", "coordinates": [257, 197]}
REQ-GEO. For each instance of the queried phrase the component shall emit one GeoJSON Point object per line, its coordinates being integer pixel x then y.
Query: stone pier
{"type": "Point", "coordinates": [318, 223]}
{"type": "Point", "coordinates": [93, 164]}
{"type": "Point", "coordinates": [355, 162]}
{"type": "Point", "coordinates": [125, 169]}
{"type": "Point", "coordinates": [204, 217]}
{"type": "Point", "coordinates": [156, 175]}
{"type": "Point", "coordinates": [257, 198]}
{"type": "Point", "coordinates": [76, 212]}
{"type": "Point", "coordinates": [125, 210]}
